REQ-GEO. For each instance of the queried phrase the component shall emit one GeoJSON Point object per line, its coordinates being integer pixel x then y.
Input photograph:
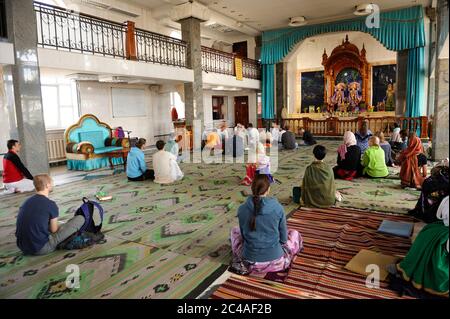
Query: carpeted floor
{"type": "Point", "coordinates": [331, 237]}
{"type": "Point", "coordinates": [164, 241]}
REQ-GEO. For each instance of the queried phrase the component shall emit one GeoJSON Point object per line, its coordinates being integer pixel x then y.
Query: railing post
{"type": "Point", "coordinates": [131, 41]}
{"type": "Point", "coordinates": [423, 127]}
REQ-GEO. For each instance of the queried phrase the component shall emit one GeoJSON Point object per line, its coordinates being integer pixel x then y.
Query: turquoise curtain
{"type": "Point", "coordinates": [399, 30]}
{"type": "Point", "coordinates": [415, 82]}
{"type": "Point", "coordinates": [267, 95]}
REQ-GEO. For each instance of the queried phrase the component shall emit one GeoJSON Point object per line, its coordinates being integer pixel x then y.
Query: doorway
{"type": "Point", "coordinates": [240, 49]}
{"type": "Point", "coordinates": [241, 110]}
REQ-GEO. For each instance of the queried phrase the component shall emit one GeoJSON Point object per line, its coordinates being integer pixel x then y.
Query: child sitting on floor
{"type": "Point", "coordinates": [262, 166]}
{"type": "Point", "coordinates": [262, 243]}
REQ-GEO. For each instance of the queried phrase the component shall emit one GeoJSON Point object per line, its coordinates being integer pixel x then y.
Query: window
{"type": "Point", "coordinates": [60, 106]}
{"type": "Point", "coordinates": [219, 108]}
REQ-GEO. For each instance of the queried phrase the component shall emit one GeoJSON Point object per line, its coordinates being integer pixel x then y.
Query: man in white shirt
{"type": "Point", "coordinates": [275, 132]}
{"type": "Point", "coordinates": [253, 136]}
{"type": "Point", "coordinates": [165, 166]}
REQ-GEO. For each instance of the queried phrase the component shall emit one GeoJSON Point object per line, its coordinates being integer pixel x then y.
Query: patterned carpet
{"type": "Point", "coordinates": [332, 237]}
{"type": "Point", "coordinates": [163, 241]}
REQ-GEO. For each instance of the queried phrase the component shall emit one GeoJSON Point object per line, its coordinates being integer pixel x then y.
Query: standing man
{"type": "Point", "coordinates": [16, 177]}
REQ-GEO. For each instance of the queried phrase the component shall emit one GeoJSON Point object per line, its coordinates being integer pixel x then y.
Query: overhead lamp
{"type": "Point", "coordinates": [364, 9]}
{"type": "Point", "coordinates": [297, 21]}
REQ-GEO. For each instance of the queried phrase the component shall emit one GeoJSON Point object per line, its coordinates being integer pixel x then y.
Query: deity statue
{"type": "Point", "coordinates": [338, 98]}
{"type": "Point", "coordinates": [354, 98]}
{"type": "Point", "coordinates": [389, 100]}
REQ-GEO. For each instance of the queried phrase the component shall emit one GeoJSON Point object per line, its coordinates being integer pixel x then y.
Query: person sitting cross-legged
{"type": "Point", "coordinates": [373, 161]}
{"type": "Point", "coordinates": [413, 163]}
{"type": "Point", "coordinates": [262, 243]}
{"type": "Point", "coordinates": [318, 187]}
{"type": "Point", "coordinates": [348, 159]}
{"type": "Point", "coordinates": [136, 166]}
{"type": "Point", "coordinates": [37, 229]}
{"type": "Point", "coordinates": [363, 136]}
{"type": "Point", "coordinates": [16, 177]}
{"type": "Point", "coordinates": [165, 166]}
{"type": "Point", "coordinates": [288, 141]}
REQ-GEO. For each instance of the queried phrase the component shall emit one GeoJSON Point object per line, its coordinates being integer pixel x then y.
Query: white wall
{"type": "Point", "coordinates": [307, 56]}
{"type": "Point", "coordinates": [229, 117]}
{"type": "Point", "coordinates": [95, 98]}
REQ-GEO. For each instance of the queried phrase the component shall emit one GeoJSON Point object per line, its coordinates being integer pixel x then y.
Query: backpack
{"type": "Point", "coordinates": [89, 233]}
{"type": "Point", "coordinates": [87, 211]}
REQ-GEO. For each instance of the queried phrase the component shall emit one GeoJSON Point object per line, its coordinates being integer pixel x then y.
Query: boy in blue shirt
{"type": "Point", "coordinates": [136, 166]}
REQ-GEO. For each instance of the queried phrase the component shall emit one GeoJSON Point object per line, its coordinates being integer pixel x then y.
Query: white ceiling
{"type": "Point", "coordinates": [272, 14]}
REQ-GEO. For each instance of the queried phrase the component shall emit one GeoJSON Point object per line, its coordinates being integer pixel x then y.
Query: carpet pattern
{"type": "Point", "coordinates": [179, 232]}
{"type": "Point", "coordinates": [332, 237]}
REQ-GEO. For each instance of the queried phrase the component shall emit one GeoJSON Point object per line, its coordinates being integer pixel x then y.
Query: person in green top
{"type": "Point", "coordinates": [319, 189]}
{"type": "Point", "coordinates": [373, 160]}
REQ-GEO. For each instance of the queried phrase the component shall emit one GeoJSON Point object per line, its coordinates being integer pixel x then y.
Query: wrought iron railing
{"type": "Point", "coordinates": [63, 29]}
{"type": "Point", "coordinates": [157, 48]}
{"type": "Point", "coordinates": [222, 62]}
{"type": "Point", "coordinates": [217, 61]}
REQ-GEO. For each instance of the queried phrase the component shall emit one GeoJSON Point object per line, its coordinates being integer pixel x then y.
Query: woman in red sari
{"type": "Point", "coordinates": [413, 163]}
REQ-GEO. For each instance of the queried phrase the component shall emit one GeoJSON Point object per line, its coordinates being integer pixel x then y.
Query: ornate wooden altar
{"type": "Point", "coordinates": [345, 56]}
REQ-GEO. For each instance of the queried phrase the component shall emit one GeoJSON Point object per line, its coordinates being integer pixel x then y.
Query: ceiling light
{"type": "Point", "coordinates": [297, 21]}
{"type": "Point", "coordinates": [363, 9]}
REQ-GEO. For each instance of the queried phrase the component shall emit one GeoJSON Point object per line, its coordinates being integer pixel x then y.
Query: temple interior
{"type": "Point", "coordinates": [203, 149]}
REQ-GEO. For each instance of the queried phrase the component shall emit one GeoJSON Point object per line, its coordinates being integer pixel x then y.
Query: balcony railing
{"type": "Point", "coordinates": [157, 48]}
{"type": "Point", "coordinates": [67, 30]}
{"type": "Point", "coordinates": [222, 62]}
{"type": "Point", "coordinates": [63, 29]}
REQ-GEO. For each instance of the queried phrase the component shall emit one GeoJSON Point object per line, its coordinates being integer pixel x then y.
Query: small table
{"type": "Point", "coordinates": [118, 154]}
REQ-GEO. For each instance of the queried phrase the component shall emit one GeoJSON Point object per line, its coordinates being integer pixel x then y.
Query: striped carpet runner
{"type": "Point", "coordinates": [332, 237]}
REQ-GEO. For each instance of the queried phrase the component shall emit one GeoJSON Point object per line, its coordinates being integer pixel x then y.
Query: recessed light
{"type": "Point", "coordinates": [297, 21]}
{"type": "Point", "coordinates": [363, 9]}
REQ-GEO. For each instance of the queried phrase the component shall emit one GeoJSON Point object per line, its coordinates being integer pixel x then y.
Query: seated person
{"type": "Point", "coordinates": [253, 136]}
{"type": "Point", "coordinates": [240, 131]}
{"type": "Point", "coordinates": [386, 148]}
{"type": "Point", "coordinates": [307, 137]}
{"type": "Point", "coordinates": [37, 229]}
{"type": "Point", "coordinates": [235, 146]}
{"type": "Point", "coordinates": [348, 159]}
{"type": "Point", "coordinates": [363, 136]}
{"type": "Point", "coordinates": [262, 243]}
{"type": "Point", "coordinates": [434, 189]}
{"type": "Point", "coordinates": [213, 140]}
{"type": "Point", "coordinates": [280, 134]}
{"type": "Point", "coordinates": [275, 131]}
{"type": "Point", "coordinates": [16, 176]}
{"type": "Point", "coordinates": [373, 160]}
{"type": "Point", "coordinates": [318, 188]}
{"type": "Point", "coordinates": [395, 137]}
{"type": "Point", "coordinates": [413, 163]}
{"type": "Point", "coordinates": [288, 141]}
{"type": "Point", "coordinates": [426, 264]}
{"type": "Point", "coordinates": [262, 166]}
{"type": "Point", "coordinates": [165, 166]}
{"type": "Point", "coordinates": [136, 166]}
{"type": "Point", "coordinates": [223, 131]}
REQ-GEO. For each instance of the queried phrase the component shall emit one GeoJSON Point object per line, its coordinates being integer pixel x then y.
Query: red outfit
{"type": "Point", "coordinates": [13, 168]}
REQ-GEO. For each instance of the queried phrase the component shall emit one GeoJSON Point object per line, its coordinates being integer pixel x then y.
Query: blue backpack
{"type": "Point", "coordinates": [87, 210]}
{"type": "Point", "coordinates": [89, 233]}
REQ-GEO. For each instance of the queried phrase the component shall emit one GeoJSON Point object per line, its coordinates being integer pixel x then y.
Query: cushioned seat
{"type": "Point", "coordinates": [107, 149]}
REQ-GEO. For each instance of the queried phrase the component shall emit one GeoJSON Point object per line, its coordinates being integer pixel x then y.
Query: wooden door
{"type": "Point", "coordinates": [240, 49]}
{"type": "Point", "coordinates": [241, 110]}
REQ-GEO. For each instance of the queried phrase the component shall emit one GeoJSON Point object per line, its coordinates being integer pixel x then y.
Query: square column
{"type": "Point", "coordinates": [23, 78]}
{"type": "Point", "coordinates": [193, 92]}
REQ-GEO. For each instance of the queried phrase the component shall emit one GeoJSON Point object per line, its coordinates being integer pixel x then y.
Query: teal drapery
{"type": "Point", "coordinates": [414, 82]}
{"type": "Point", "coordinates": [399, 30]}
{"type": "Point", "coordinates": [267, 95]}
